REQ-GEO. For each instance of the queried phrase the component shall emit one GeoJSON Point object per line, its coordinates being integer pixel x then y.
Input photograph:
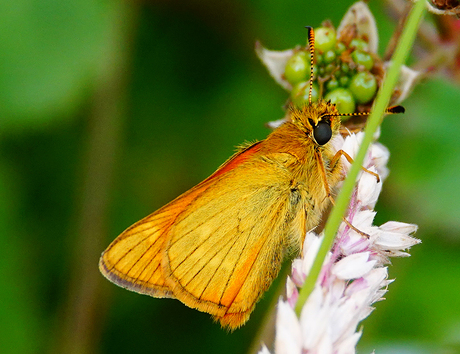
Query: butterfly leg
{"type": "Point", "coordinates": [350, 225]}
{"type": "Point", "coordinates": [334, 164]}
{"type": "Point", "coordinates": [322, 170]}
{"type": "Point", "coordinates": [340, 153]}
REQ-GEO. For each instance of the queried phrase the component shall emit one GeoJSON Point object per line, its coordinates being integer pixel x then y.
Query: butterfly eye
{"type": "Point", "coordinates": [322, 133]}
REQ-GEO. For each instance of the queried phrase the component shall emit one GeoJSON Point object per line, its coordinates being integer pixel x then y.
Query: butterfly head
{"type": "Point", "coordinates": [320, 121]}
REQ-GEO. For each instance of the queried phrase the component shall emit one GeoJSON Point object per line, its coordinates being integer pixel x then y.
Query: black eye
{"type": "Point", "coordinates": [322, 133]}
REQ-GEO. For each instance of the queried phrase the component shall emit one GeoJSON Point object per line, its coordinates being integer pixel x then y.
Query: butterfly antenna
{"type": "Point", "coordinates": [311, 45]}
{"type": "Point", "coordinates": [389, 110]}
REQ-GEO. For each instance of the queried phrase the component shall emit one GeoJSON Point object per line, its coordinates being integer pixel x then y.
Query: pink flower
{"type": "Point", "coordinates": [353, 275]}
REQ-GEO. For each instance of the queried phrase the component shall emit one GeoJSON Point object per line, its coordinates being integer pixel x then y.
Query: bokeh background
{"type": "Point", "coordinates": [110, 109]}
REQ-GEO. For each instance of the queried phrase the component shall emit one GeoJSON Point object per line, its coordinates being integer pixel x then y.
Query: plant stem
{"type": "Point", "coordinates": [375, 119]}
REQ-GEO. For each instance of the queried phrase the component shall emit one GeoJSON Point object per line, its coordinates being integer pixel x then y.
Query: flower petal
{"type": "Point", "coordinates": [314, 318]}
{"type": "Point", "coordinates": [363, 220]}
{"type": "Point", "coordinates": [360, 15]}
{"type": "Point", "coordinates": [311, 247]}
{"type": "Point", "coordinates": [399, 227]}
{"type": "Point", "coordinates": [354, 243]}
{"type": "Point", "coordinates": [292, 293]}
{"type": "Point", "coordinates": [369, 188]}
{"type": "Point", "coordinates": [353, 266]}
{"type": "Point", "coordinates": [288, 333]}
{"type": "Point", "coordinates": [348, 345]}
{"type": "Point", "coordinates": [379, 157]}
{"type": "Point", "coordinates": [351, 145]}
{"type": "Point", "coordinates": [275, 61]}
{"type": "Point", "coordinates": [407, 80]}
{"type": "Point", "coordinates": [394, 241]}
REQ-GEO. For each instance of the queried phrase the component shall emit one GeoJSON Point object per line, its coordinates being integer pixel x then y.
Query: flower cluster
{"type": "Point", "coordinates": [361, 20]}
{"type": "Point", "coordinates": [353, 275]}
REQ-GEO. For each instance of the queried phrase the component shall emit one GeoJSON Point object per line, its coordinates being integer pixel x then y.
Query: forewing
{"type": "Point", "coordinates": [133, 259]}
{"type": "Point", "coordinates": [225, 249]}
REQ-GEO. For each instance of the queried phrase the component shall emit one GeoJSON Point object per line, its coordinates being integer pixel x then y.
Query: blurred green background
{"type": "Point", "coordinates": [110, 109]}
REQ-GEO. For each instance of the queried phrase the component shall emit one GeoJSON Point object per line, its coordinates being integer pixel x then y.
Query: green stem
{"type": "Point", "coordinates": [375, 119]}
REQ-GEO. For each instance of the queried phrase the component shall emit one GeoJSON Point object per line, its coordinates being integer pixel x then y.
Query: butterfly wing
{"type": "Point", "coordinates": [133, 259]}
{"type": "Point", "coordinates": [217, 247]}
{"type": "Point", "coordinates": [224, 251]}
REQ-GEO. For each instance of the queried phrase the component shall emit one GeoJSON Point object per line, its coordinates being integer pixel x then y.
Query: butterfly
{"type": "Point", "coordinates": [218, 246]}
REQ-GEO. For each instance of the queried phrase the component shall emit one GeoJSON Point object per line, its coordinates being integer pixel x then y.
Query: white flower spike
{"type": "Point", "coordinates": [353, 276]}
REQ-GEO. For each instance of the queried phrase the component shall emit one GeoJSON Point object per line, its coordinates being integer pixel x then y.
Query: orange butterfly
{"type": "Point", "coordinates": [218, 246]}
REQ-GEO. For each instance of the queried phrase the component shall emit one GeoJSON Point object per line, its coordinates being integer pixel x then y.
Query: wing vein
{"type": "Point", "coordinates": [143, 254]}
{"type": "Point", "coordinates": [210, 279]}
{"type": "Point", "coordinates": [233, 271]}
{"type": "Point", "coordinates": [251, 267]}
